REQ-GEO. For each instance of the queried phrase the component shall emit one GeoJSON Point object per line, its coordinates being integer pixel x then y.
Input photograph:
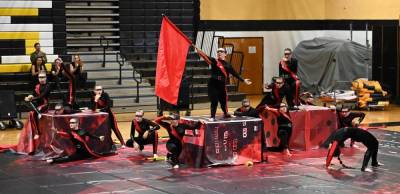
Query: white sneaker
{"type": "Point", "coordinates": [211, 119]}
{"type": "Point", "coordinates": [366, 170]}
{"type": "Point", "coordinates": [176, 166]}
{"type": "Point", "coordinates": [49, 161]}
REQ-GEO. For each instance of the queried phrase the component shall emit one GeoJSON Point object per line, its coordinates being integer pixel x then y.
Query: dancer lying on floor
{"type": "Point", "coordinates": [358, 135]}
{"type": "Point", "coordinates": [78, 137]}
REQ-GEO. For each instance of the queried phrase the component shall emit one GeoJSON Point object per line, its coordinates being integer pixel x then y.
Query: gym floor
{"type": "Point", "coordinates": [131, 172]}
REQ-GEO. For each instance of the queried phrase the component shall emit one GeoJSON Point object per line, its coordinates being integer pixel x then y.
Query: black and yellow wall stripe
{"type": "Point", "coordinates": [25, 22]}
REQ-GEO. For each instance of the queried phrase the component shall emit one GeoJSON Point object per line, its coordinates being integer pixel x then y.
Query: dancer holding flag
{"type": "Point", "coordinates": [171, 58]}
{"type": "Point", "coordinates": [220, 70]}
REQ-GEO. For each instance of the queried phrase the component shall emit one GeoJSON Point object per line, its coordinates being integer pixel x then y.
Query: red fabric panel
{"type": "Point", "coordinates": [270, 128]}
{"type": "Point", "coordinates": [171, 58]}
{"type": "Point", "coordinates": [50, 144]}
{"type": "Point", "coordinates": [311, 128]}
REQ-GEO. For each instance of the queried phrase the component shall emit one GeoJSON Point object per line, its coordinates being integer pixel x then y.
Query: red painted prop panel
{"type": "Point", "coordinates": [311, 127]}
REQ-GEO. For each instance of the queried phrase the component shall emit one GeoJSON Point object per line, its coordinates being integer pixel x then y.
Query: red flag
{"type": "Point", "coordinates": [173, 47]}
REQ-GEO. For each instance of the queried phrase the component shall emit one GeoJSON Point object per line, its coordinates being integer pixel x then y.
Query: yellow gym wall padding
{"type": "Point", "coordinates": [19, 11]}
{"type": "Point", "coordinates": [19, 68]}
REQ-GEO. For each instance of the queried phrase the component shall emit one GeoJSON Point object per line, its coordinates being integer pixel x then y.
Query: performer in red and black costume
{"type": "Point", "coordinates": [288, 71]}
{"type": "Point", "coordinates": [40, 98]}
{"type": "Point", "coordinates": [101, 101]}
{"type": "Point", "coordinates": [359, 135]}
{"type": "Point", "coordinates": [78, 137]}
{"type": "Point", "coordinates": [147, 133]}
{"type": "Point", "coordinates": [39, 101]}
{"type": "Point", "coordinates": [176, 131]}
{"type": "Point", "coordinates": [346, 119]}
{"type": "Point", "coordinates": [284, 127]}
{"type": "Point", "coordinates": [220, 70]}
{"type": "Point", "coordinates": [275, 92]}
{"type": "Point", "coordinates": [246, 110]}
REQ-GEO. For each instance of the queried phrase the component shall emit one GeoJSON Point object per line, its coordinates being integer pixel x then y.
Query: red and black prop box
{"type": "Point", "coordinates": [230, 141]}
{"type": "Point", "coordinates": [50, 144]}
{"type": "Point", "coordinates": [312, 125]}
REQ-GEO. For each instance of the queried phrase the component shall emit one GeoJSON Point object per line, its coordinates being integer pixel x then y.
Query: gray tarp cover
{"type": "Point", "coordinates": [324, 61]}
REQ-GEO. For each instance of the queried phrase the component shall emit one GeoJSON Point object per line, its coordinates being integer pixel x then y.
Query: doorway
{"type": "Point", "coordinates": [253, 62]}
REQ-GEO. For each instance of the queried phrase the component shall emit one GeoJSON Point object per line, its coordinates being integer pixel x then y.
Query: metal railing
{"type": "Point", "coordinates": [138, 81]}
{"type": "Point", "coordinates": [121, 62]}
{"type": "Point", "coordinates": [136, 76]}
{"type": "Point", "coordinates": [105, 43]}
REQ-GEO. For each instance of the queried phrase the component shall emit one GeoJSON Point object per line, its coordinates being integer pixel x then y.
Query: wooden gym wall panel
{"type": "Point", "coordinates": [299, 10]}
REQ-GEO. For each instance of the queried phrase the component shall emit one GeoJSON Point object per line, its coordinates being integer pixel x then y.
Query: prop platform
{"type": "Point", "coordinates": [229, 141]}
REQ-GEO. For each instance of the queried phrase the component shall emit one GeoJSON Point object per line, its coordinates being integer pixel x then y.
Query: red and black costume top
{"type": "Point", "coordinates": [356, 134]}
{"type": "Point", "coordinates": [288, 70]}
{"type": "Point", "coordinates": [41, 95]}
{"type": "Point", "coordinates": [345, 118]}
{"type": "Point", "coordinates": [220, 69]}
{"type": "Point", "coordinates": [103, 103]}
{"type": "Point", "coordinates": [142, 127]}
{"type": "Point", "coordinates": [79, 138]}
{"type": "Point", "coordinates": [275, 96]}
{"type": "Point", "coordinates": [176, 133]}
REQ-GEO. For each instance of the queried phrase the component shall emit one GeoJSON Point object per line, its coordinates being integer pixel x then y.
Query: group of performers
{"type": "Point", "coordinates": [144, 131]}
{"type": "Point", "coordinates": [287, 85]}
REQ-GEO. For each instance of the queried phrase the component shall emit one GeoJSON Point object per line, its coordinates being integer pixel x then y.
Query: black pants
{"type": "Point", "coordinates": [80, 154]}
{"type": "Point", "coordinates": [293, 97]}
{"type": "Point", "coordinates": [114, 126]}
{"type": "Point", "coordinates": [174, 148]}
{"type": "Point", "coordinates": [372, 152]}
{"type": "Point", "coordinates": [284, 134]}
{"type": "Point", "coordinates": [80, 80]}
{"type": "Point", "coordinates": [151, 139]}
{"type": "Point", "coordinates": [217, 93]}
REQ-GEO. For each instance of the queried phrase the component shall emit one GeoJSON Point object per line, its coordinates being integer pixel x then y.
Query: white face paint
{"type": "Point", "coordinates": [283, 108]}
{"type": "Point", "coordinates": [139, 117]}
{"type": "Point", "coordinates": [221, 53]}
{"type": "Point", "coordinates": [73, 124]}
{"type": "Point", "coordinates": [98, 90]}
{"type": "Point", "coordinates": [42, 78]}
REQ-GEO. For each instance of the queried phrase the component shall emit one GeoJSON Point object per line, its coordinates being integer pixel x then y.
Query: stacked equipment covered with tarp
{"type": "Point", "coordinates": [325, 61]}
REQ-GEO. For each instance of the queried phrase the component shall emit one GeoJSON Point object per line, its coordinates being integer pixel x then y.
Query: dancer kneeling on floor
{"type": "Point", "coordinates": [147, 133]}
{"type": "Point", "coordinates": [78, 137]}
{"type": "Point", "coordinates": [284, 127]}
{"type": "Point", "coordinates": [176, 131]}
{"type": "Point", "coordinates": [358, 135]}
